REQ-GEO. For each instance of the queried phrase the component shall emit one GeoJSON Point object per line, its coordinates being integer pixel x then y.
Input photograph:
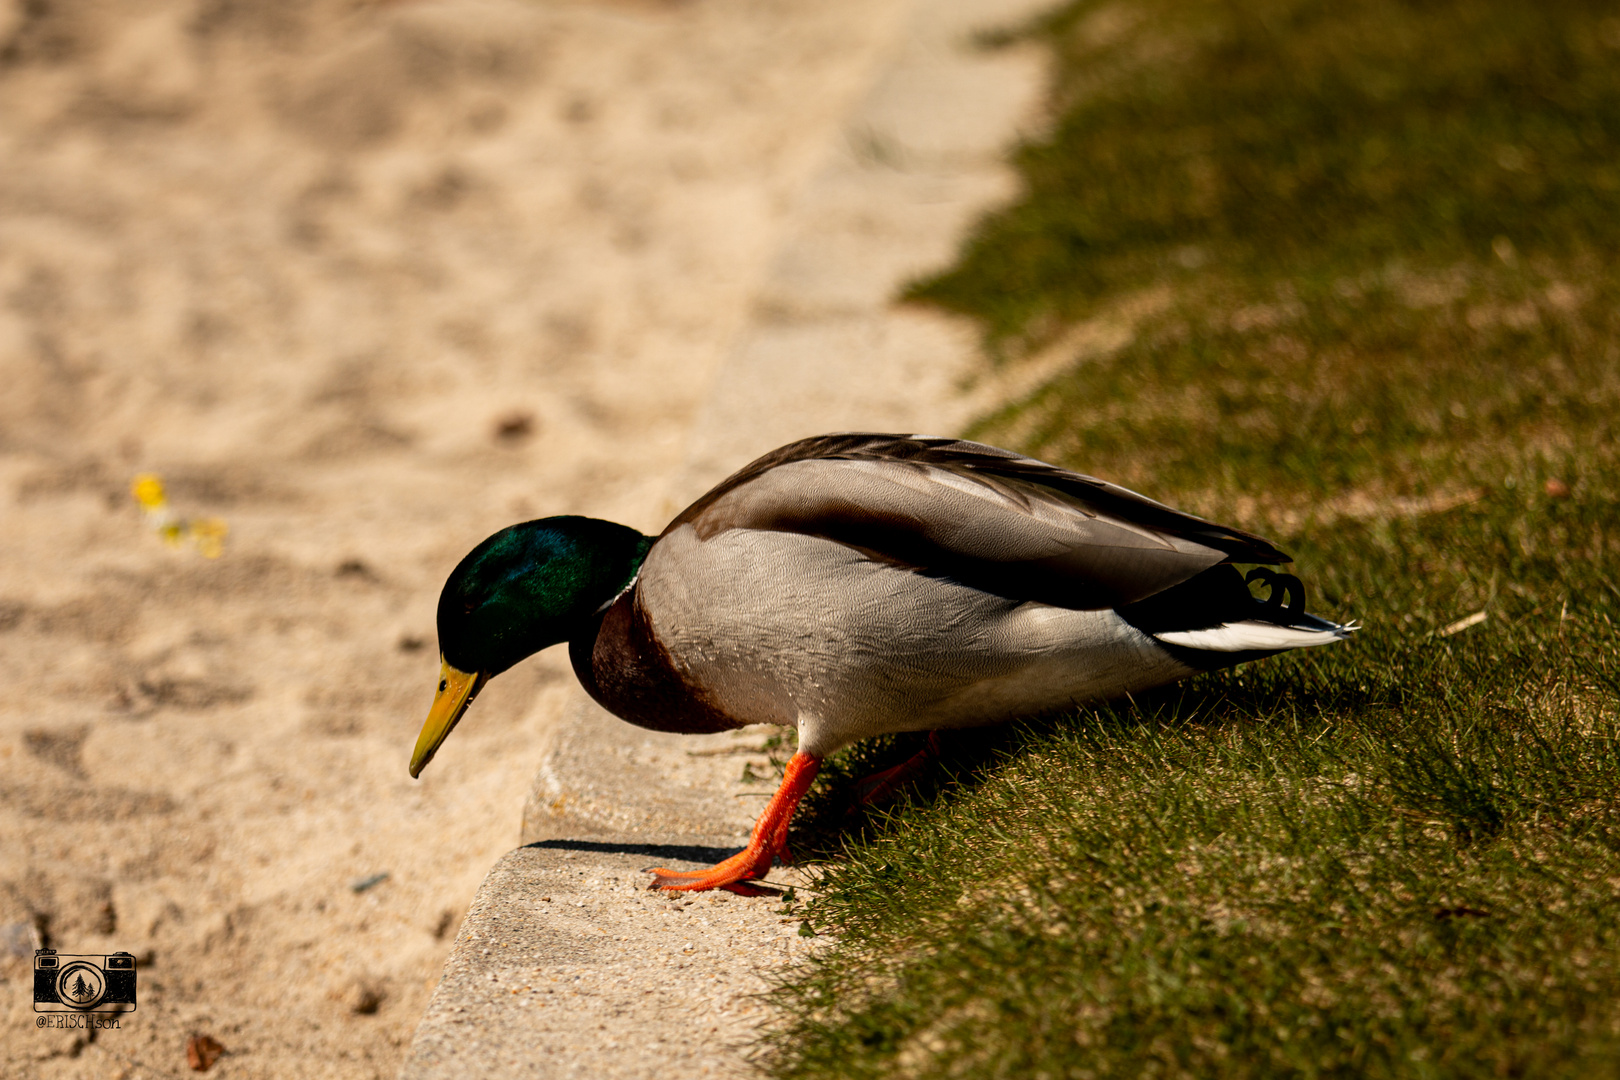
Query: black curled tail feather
{"type": "Point", "coordinates": [1280, 587]}
{"type": "Point", "coordinates": [1221, 595]}
{"type": "Point", "coordinates": [1218, 599]}
{"type": "Point", "coordinates": [1218, 595]}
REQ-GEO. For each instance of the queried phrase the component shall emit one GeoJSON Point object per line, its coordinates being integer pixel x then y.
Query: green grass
{"type": "Point", "coordinates": [1387, 233]}
{"type": "Point", "coordinates": [1299, 140]}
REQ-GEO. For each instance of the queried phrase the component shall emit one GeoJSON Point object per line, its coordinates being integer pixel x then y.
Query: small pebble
{"type": "Point", "coordinates": [514, 427]}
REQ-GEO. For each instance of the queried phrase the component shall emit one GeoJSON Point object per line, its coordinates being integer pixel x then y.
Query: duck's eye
{"type": "Point", "coordinates": [444, 684]}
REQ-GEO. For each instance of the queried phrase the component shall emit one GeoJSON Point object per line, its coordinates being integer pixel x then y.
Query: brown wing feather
{"type": "Point", "coordinates": [978, 514]}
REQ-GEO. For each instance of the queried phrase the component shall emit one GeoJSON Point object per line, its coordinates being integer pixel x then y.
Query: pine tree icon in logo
{"type": "Point", "coordinates": [81, 984]}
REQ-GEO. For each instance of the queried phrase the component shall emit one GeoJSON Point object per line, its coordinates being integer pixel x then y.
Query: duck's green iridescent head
{"type": "Point", "coordinates": [527, 587]}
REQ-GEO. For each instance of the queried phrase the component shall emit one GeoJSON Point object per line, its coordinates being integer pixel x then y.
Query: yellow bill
{"type": "Point", "coordinates": [456, 691]}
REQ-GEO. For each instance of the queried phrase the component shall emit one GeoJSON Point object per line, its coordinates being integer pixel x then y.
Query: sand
{"type": "Point", "coordinates": [365, 282]}
{"type": "Point", "coordinates": [302, 260]}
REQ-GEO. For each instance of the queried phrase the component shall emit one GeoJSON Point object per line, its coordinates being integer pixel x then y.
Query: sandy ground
{"type": "Point", "coordinates": [366, 281]}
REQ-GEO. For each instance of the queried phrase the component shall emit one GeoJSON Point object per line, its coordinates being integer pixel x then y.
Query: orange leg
{"type": "Point", "coordinates": [767, 843]}
{"type": "Point", "coordinates": [882, 785]}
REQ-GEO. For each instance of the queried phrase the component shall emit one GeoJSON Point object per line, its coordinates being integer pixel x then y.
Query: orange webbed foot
{"type": "Point", "coordinates": [744, 866]}
{"type": "Point", "coordinates": [768, 842]}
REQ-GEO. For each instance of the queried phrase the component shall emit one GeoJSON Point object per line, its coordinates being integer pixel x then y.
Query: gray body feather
{"type": "Point", "coordinates": [789, 629]}
{"type": "Point", "coordinates": [857, 584]}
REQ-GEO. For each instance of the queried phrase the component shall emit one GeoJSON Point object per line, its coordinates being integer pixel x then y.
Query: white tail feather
{"type": "Point", "coordinates": [1243, 636]}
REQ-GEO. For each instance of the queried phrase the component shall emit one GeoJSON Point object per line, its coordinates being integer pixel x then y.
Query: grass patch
{"type": "Point", "coordinates": [1387, 231]}
{"type": "Point", "coordinates": [1299, 139]}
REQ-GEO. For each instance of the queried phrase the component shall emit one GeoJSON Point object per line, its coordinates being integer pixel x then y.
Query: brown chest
{"type": "Point", "coordinates": [630, 673]}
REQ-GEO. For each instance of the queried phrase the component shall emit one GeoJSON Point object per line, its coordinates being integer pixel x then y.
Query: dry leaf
{"type": "Point", "coordinates": [202, 1051]}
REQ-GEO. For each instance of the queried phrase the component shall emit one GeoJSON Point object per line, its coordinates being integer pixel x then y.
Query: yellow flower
{"type": "Point", "coordinates": [207, 534]}
{"type": "Point", "coordinates": [148, 491]}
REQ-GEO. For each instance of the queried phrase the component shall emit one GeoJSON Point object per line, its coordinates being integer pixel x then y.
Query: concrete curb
{"type": "Point", "coordinates": [603, 776]}
{"type": "Point", "coordinates": [565, 963]}
{"type": "Point", "coordinates": [921, 159]}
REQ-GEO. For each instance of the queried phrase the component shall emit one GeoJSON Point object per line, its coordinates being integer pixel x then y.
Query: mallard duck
{"type": "Point", "coordinates": [854, 584]}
